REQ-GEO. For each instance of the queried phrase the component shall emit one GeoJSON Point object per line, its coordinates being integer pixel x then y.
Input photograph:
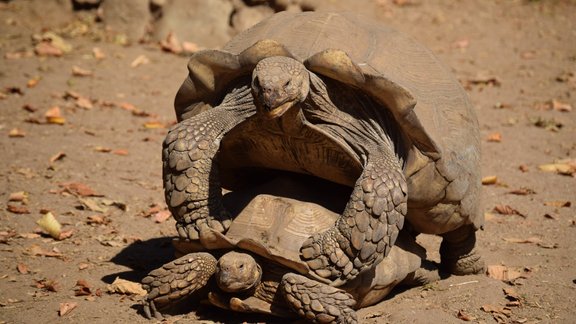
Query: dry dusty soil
{"type": "Point", "coordinates": [94, 163]}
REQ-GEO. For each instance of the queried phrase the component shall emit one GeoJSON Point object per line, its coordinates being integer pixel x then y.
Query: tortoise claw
{"type": "Point", "coordinates": [150, 310]}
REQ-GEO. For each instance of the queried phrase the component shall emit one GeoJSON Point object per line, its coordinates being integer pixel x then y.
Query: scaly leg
{"type": "Point", "coordinates": [176, 280]}
{"type": "Point", "coordinates": [367, 229]}
{"type": "Point", "coordinates": [316, 301]}
{"type": "Point", "coordinates": [191, 181]}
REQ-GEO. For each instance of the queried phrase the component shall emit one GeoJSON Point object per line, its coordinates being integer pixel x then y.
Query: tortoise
{"type": "Point", "coordinates": [261, 270]}
{"type": "Point", "coordinates": [338, 97]}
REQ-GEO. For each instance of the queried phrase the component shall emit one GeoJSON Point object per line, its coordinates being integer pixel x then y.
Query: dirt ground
{"type": "Point", "coordinates": [95, 163]}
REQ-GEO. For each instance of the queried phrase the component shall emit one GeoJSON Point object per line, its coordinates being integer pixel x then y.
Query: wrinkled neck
{"type": "Point", "coordinates": [292, 121]}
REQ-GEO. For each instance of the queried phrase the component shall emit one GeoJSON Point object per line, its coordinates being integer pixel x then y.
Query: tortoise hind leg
{"type": "Point", "coordinates": [176, 280]}
{"type": "Point", "coordinates": [316, 301]}
{"type": "Point", "coordinates": [458, 252]}
{"type": "Point", "coordinates": [368, 227]}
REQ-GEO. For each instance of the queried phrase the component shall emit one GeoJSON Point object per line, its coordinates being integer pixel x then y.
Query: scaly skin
{"type": "Point", "coordinates": [176, 280]}
{"type": "Point", "coordinates": [318, 302]}
{"type": "Point", "coordinates": [367, 229]}
{"type": "Point", "coordinates": [191, 181]}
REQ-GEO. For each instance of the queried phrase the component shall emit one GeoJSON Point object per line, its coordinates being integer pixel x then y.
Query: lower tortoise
{"type": "Point", "coordinates": [341, 98]}
{"type": "Point", "coordinates": [256, 267]}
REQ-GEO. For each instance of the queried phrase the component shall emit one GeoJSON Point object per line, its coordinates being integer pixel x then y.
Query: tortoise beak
{"type": "Point", "coordinates": [278, 111]}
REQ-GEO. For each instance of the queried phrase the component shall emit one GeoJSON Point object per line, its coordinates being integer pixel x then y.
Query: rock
{"type": "Point", "coordinates": [202, 22]}
{"type": "Point", "coordinates": [128, 17]}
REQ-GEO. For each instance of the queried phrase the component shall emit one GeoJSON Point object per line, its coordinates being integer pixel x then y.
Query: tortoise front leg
{"type": "Point", "coordinates": [176, 280]}
{"type": "Point", "coordinates": [369, 226]}
{"type": "Point", "coordinates": [191, 181]}
{"type": "Point", "coordinates": [316, 301]}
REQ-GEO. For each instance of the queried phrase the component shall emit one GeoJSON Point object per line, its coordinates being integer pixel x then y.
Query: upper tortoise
{"type": "Point", "coordinates": [338, 97]}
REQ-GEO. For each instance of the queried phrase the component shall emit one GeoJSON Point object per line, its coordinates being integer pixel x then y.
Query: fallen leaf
{"type": "Point", "coordinates": [47, 49]}
{"type": "Point", "coordinates": [190, 47]}
{"type": "Point", "coordinates": [84, 103]}
{"type": "Point", "coordinates": [507, 210]}
{"type": "Point", "coordinates": [120, 152]}
{"type": "Point", "coordinates": [82, 266]}
{"type": "Point", "coordinates": [21, 196]}
{"type": "Point", "coordinates": [48, 285]}
{"type": "Point", "coordinates": [54, 116]}
{"type": "Point", "coordinates": [17, 209]}
{"type": "Point", "coordinates": [523, 168]}
{"type": "Point", "coordinates": [57, 157]}
{"type": "Point", "coordinates": [549, 216]}
{"type": "Point", "coordinates": [22, 268]}
{"type": "Point", "coordinates": [102, 149]}
{"type": "Point", "coordinates": [548, 245]}
{"type": "Point", "coordinates": [494, 137]}
{"type": "Point", "coordinates": [39, 251]}
{"type": "Point", "coordinates": [558, 203]}
{"type": "Point", "coordinates": [122, 286]}
{"type": "Point", "coordinates": [15, 132]}
{"type": "Point", "coordinates": [140, 60]}
{"type": "Point", "coordinates": [66, 308]}
{"type": "Point", "coordinates": [29, 108]}
{"type": "Point", "coordinates": [33, 82]}
{"type": "Point", "coordinates": [153, 125]}
{"type": "Point", "coordinates": [563, 168]}
{"type": "Point", "coordinates": [511, 294]}
{"type": "Point", "coordinates": [98, 53]}
{"type": "Point", "coordinates": [560, 106]}
{"type": "Point", "coordinates": [489, 180]}
{"type": "Point", "coordinates": [49, 224]}
{"type": "Point", "coordinates": [80, 72]}
{"type": "Point", "coordinates": [79, 189]}
{"type": "Point", "coordinates": [82, 288]}
{"type": "Point", "coordinates": [465, 316]}
{"type": "Point", "coordinates": [548, 124]}
{"type": "Point", "coordinates": [523, 191]}
{"type": "Point", "coordinates": [162, 216]}
{"type": "Point", "coordinates": [127, 106]}
{"type": "Point", "coordinates": [171, 44]}
{"type": "Point", "coordinates": [503, 273]}
{"type": "Point", "coordinates": [528, 240]}
{"type": "Point", "coordinates": [484, 78]}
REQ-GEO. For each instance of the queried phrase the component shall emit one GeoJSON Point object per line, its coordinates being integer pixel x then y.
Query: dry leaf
{"type": "Point", "coordinates": [15, 132]}
{"type": "Point", "coordinates": [17, 209]}
{"type": "Point", "coordinates": [568, 168]}
{"type": "Point", "coordinates": [558, 203]}
{"type": "Point", "coordinates": [39, 251]}
{"type": "Point", "coordinates": [120, 152]}
{"type": "Point", "coordinates": [49, 224]}
{"type": "Point", "coordinates": [502, 273]}
{"type": "Point", "coordinates": [78, 71]}
{"type": "Point", "coordinates": [82, 266]}
{"type": "Point", "coordinates": [140, 60]}
{"type": "Point", "coordinates": [98, 53]}
{"type": "Point", "coordinates": [102, 149]}
{"type": "Point", "coordinates": [121, 286]}
{"type": "Point", "coordinates": [127, 106]}
{"type": "Point", "coordinates": [523, 191]}
{"type": "Point", "coordinates": [560, 106]}
{"type": "Point", "coordinates": [66, 308]}
{"type": "Point", "coordinates": [465, 316]}
{"type": "Point", "coordinates": [29, 108]}
{"type": "Point", "coordinates": [171, 44]}
{"type": "Point", "coordinates": [507, 210]}
{"type": "Point", "coordinates": [489, 180]}
{"type": "Point", "coordinates": [494, 137]}
{"type": "Point", "coordinates": [153, 125]}
{"type": "Point", "coordinates": [190, 47]}
{"type": "Point", "coordinates": [511, 294]}
{"type": "Point", "coordinates": [57, 157]}
{"type": "Point", "coordinates": [79, 189]}
{"type": "Point", "coordinates": [82, 288]}
{"type": "Point", "coordinates": [548, 245]}
{"type": "Point", "coordinates": [162, 216]}
{"type": "Point", "coordinates": [47, 49]}
{"type": "Point", "coordinates": [33, 82]}
{"type": "Point", "coordinates": [54, 116]}
{"type": "Point", "coordinates": [48, 285]}
{"type": "Point", "coordinates": [22, 268]}
{"type": "Point", "coordinates": [528, 240]}
{"type": "Point", "coordinates": [18, 196]}
{"type": "Point", "coordinates": [84, 103]}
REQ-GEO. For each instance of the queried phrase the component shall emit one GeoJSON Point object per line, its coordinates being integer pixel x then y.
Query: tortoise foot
{"type": "Point", "coordinates": [316, 301]}
{"type": "Point", "coordinates": [326, 259]}
{"type": "Point", "coordinates": [176, 280]}
{"type": "Point", "coordinates": [458, 253]}
{"type": "Point", "coordinates": [199, 221]}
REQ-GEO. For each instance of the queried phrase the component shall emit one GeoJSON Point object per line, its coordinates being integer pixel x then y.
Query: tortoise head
{"type": "Point", "coordinates": [237, 272]}
{"type": "Point", "coordinates": [278, 84]}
